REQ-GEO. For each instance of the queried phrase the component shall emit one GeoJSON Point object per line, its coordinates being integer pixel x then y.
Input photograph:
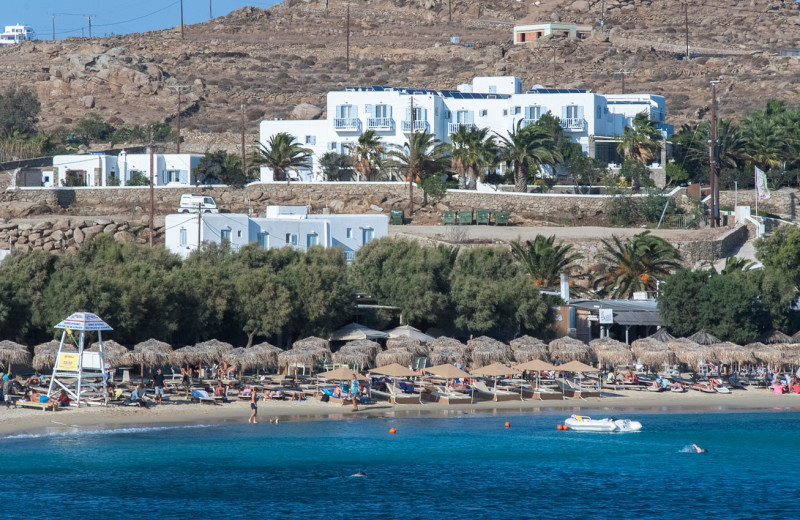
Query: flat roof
{"type": "Point", "coordinates": [626, 312]}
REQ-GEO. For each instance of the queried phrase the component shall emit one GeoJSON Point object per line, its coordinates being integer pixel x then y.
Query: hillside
{"type": "Point", "coordinates": [273, 60]}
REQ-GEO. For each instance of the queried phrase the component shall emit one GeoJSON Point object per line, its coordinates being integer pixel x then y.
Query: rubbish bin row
{"type": "Point", "coordinates": [478, 216]}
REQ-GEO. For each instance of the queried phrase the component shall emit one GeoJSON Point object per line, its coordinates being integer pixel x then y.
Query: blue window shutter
{"type": "Point", "coordinates": [369, 109]}
{"type": "Point", "coordinates": [389, 111]}
{"type": "Point", "coordinates": [408, 114]}
{"type": "Point", "coordinates": [470, 117]}
{"type": "Point", "coordinates": [580, 112]}
{"type": "Point", "coordinates": [184, 177]}
{"type": "Point", "coordinates": [339, 111]}
{"type": "Point", "coordinates": [528, 112]}
{"type": "Point", "coordinates": [563, 113]}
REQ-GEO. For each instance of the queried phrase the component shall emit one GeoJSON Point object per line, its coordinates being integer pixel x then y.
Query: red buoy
{"type": "Point", "coordinates": [392, 431]}
{"type": "Point", "coordinates": [508, 424]}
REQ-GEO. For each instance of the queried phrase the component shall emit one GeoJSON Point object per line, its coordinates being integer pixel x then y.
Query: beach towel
{"type": "Point", "coordinates": [200, 394]}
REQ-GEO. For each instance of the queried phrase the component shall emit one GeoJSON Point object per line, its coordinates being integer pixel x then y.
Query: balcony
{"type": "Point", "coordinates": [527, 122]}
{"type": "Point", "coordinates": [419, 126]}
{"type": "Point", "coordinates": [574, 124]}
{"type": "Point", "coordinates": [453, 127]}
{"type": "Point", "coordinates": [380, 123]}
{"type": "Point", "coordinates": [347, 124]}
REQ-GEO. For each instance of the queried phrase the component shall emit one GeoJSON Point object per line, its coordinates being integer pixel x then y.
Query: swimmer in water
{"type": "Point", "coordinates": [359, 474]}
{"type": "Point", "coordinates": [698, 449]}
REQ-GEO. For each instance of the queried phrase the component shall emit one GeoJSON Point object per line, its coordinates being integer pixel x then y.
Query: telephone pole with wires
{"type": "Point", "coordinates": [623, 73]}
{"type": "Point", "coordinates": [244, 160]}
{"type": "Point", "coordinates": [411, 166]}
{"type": "Point", "coordinates": [152, 192]}
{"type": "Point", "coordinates": [348, 36]}
{"type": "Point", "coordinates": [712, 157]}
{"type": "Point", "coordinates": [181, 19]}
{"type": "Point", "coordinates": [178, 116]}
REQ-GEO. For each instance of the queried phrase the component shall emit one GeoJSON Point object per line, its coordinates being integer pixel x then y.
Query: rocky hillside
{"type": "Point", "coordinates": [280, 62]}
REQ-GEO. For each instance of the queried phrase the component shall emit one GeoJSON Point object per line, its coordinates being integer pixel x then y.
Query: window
{"type": "Point", "coordinates": [291, 239]}
{"type": "Point", "coordinates": [311, 239]}
{"type": "Point", "coordinates": [239, 233]}
{"type": "Point", "coordinates": [517, 111]}
{"type": "Point", "coordinates": [483, 113]}
{"type": "Point", "coordinates": [225, 234]}
{"type": "Point", "coordinates": [599, 112]}
{"type": "Point", "coordinates": [173, 176]}
{"type": "Point", "coordinates": [311, 139]}
{"type": "Point", "coordinates": [383, 111]}
{"type": "Point", "coordinates": [465, 117]}
{"type": "Point", "coordinates": [420, 114]}
{"type": "Point", "coordinates": [492, 89]}
{"type": "Point", "coordinates": [184, 238]}
{"type": "Point", "coordinates": [349, 232]}
{"type": "Point", "coordinates": [505, 111]}
{"type": "Point", "coordinates": [572, 112]}
{"type": "Point", "coordinates": [533, 112]}
{"type": "Point", "coordinates": [448, 114]}
{"type": "Point", "coordinates": [263, 240]}
{"type": "Point", "coordinates": [332, 146]}
{"type": "Point", "coordinates": [346, 111]}
{"type": "Point", "coordinates": [367, 234]}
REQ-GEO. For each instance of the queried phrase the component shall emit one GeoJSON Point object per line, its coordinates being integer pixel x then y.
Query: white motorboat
{"type": "Point", "coordinates": [583, 423]}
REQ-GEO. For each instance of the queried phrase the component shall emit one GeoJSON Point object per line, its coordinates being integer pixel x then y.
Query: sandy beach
{"type": "Point", "coordinates": [16, 421]}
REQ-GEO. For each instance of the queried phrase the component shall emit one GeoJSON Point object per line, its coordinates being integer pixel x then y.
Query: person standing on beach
{"type": "Point", "coordinates": [7, 389]}
{"type": "Point", "coordinates": [253, 406]}
{"type": "Point", "coordinates": [354, 391]}
{"type": "Point", "coordinates": [158, 385]}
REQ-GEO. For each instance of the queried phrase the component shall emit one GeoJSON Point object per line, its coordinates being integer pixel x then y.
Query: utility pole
{"type": "Point", "coordinates": [181, 19]}
{"type": "Point", "coordinates": [54, 27]}
{"type": "Point", "coordinates": [712, 158]}
{"type": "Point", "coordinates": [450, 11]}
{"type": "Point", "coordinates": [411, 165]}
{"type": "Point", "coordinates": [244, 160]}
{"type": "Point", "coordinates": [90, 27]}
{"type": "Point", "coordinates": [178, 116]}
{"type": "Point", "coordinates": [554, 65]}
{"type": "Point", "coordinates": [603, 16]}
{"type": "Point", "coordinates": [210, 16]}
{"type": "Point", "coordinates": [152, 194]}
{"type": "Point", "coordinates": [686, 26]}
{"type": "Point", "coordinates": [348, 36]}
{"type": "Point", "coordinates": [623, 73]}
{"type": "Point", "coordinates": [199, 223]}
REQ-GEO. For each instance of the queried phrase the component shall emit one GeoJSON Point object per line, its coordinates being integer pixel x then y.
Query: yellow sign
{"type": "Point", "coordinates": [67, 361]}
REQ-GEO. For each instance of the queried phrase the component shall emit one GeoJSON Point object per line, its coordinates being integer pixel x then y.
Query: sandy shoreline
{"type": "Point", "coordinates": [16, 421]}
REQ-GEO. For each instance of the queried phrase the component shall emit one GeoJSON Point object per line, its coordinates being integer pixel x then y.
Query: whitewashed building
{"type": "Point", "coordinates": [532, 32]}
{"type": "Point", "coordinates": [281, 226]}
{"type": "Point", "coordinates": [14, 34]}
{"type": "Point", "coordinates": [116, 170]}
{"type": "Point", "coordinates": [498, 102]}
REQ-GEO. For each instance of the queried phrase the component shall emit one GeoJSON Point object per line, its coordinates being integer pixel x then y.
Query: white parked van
{"type": "Point", "coordinates": [197, 203]}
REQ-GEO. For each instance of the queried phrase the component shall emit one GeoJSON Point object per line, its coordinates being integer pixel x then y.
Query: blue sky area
{"type": "Point", "coordinates": [113, 16]}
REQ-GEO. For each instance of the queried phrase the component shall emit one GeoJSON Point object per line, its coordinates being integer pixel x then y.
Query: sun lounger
{"type": "Point", "coordinates": [396, 396]}
{"type": "Point", "coordinates": [203, 397]}
{"type": "Point", "coordinates": [47, 407]}
{"type": "Point", "coordinates": [445, 395]}
{"type": "Point", "coordinates": [541, 392]}
{"type": "Point", "coordinates": [493, 394]}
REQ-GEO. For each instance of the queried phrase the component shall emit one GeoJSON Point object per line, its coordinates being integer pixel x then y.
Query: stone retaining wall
{"type": "Point", "coordinates": [67, 234]}
{"type": "Point", "coordinates": [781, 202]}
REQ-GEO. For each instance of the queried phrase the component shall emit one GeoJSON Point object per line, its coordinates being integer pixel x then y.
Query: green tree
{"type": "Point", "coordinates": [585, 170]}
{"type": "Point", "coordinates": [93, 128]}
{"type": "Point", "coordinates": [222, 167]}
{"type": "Point", "coordinates": [336, 166]}
{"type": "Point", "coordinates": [636, 173]}
{"type": "Point", "coordinates": [23, 279]}
{"type": "Point", "coordinates": [264, 304]}
{"type": "Point", "coordinates": [421, 157]}
{"type": "Point", "coordinates": [526, 150]}
{"type": "Point", "coordinates": [781, 251]}
{"type": "Point", "coordinates": [491, 293]}
{"type": "Point", "coordinates": [544, 260]}
{"type": "Point", "coordinates": [368, 153]}
{"type": "Point", "coordinates": [282, 153]}
{"type": "Point", "coordinates": [635, 265]}
{"type": "Point", "coordinates": [473, 150]}
{"type": "Point", "coordinates": [19, 111]}
{"type": "Point", "coordinates": [138, 178]}
{"type": "Point", "coordinates": [676, 173]}
{"type": "Point", "coordinates": [641, 141]}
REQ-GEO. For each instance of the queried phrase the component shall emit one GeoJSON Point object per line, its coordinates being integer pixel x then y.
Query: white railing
{"type": "Point", "coordinates": [380, 123]}
{"type": "Point", "coordinates": [526, 122]}
{"type": "Point", "coordinates": [419, 126]}
{"type": "Point", "coordinates": [347, 123]}
{"type": "Point", "coordinates": [574, 124]}
{"type": "Point", "coordinates": [453, 127]}
{"type": "Point", "coordinates": [349, 256]}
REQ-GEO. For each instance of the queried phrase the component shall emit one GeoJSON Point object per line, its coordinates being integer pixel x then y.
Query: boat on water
{"type": "Point", "coordinates": [14, 34]}
{"type": "Point", "coordinates": [583, 423]}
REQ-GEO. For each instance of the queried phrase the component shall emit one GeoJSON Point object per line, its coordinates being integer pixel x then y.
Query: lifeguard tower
{"type": "Point", "coordinates": [81, 374]}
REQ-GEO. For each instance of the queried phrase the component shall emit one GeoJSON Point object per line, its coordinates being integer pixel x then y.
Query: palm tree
{"type": "Point", "coordinates": [421, 157]}
{"type": "Point", "coordinates": [544, 261]}
{"type": "Point", "coordinates": [527, 149]}
{"type": "Point", "coordinates": [640, 141]}
{"type": "Point", "coordinates": [765, 139]}
{"type": "Point", "coordinates": [367, 155]}
{"type": "Point", "coordinates": [635, 265]}
{"type": "Point", "coordinates": [282, 154]}
{"type": "Point", "coordinates": [734, 264]}
{"type": "Point", "coordinates": [473, 150]}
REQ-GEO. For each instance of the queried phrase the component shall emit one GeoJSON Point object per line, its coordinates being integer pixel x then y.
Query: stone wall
{"type": "Point", "coordinates": [781, 202]}
{"type": "Point", "coordinates": [345, 197]}
{"type": "Point", "coordinates": [67, 234]}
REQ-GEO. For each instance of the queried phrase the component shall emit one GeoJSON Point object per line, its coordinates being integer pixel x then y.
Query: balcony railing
{"type": "Point", "coordinates": [347, 124]}
{"type": "Point", "coordinates": [419, 126]}
{"type": "Point", "coordinates": [349, 256]}
{"type": "Point", "coordinates": [526, 122]}
{"type": "Point", "coordinates": [380, 123]}
{"type": "Point", "coordinates": [574, 124]}
{"type": "Point", "coordinates": [453, 127]}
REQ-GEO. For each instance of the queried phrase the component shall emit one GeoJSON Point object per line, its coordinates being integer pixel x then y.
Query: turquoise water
{"type": "Point", "coordinates": [462, 467]}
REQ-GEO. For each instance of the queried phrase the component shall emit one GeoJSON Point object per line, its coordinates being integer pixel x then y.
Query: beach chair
{"type": "Point", "coordinates": [396, 396]}
{"type": "Point", "coordinates": [445, 395]}
{"type": "Point", "coordinates": [494, 394]}
{"type": "Point", "coordinates": [45, 407]}
{"type": "Point", "coordinates": [203, 397]}
{"type": "Point", "coordinates": [542, 392]}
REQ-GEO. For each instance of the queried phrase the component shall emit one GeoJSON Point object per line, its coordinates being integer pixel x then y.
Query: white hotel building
{"type": "Point", "coordinates": [498, 102]}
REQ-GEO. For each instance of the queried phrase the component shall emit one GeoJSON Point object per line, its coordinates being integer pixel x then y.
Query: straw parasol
{"type": "Point", "coordinates": [496, 370]}
{"type": "Point", "coordinates": [45, 354]}
{"type": "Point", "coordinates": [341, 373]}
{"type": "Point", "coordinates": [394, 370]}
{"type": "Point", "coordinates": [608, 350]}
{"type": "Point", "coordinates": [312, 341]}
{"type": "Point", "coordinates": [770, 354]}
{"type": "Point", "coordinates": [371, 348]}
{"type": "Point", "coordinates": [796, 336]}
{"type": "Point", "coordinates": [487, 350]}
{"type": "Point", "coordinates": [569, 349]}
{"type": "Point", "coordinates": [652, 352]}
{"type": "Point", "coordinates": [151, 353]}
{"type": "Point", "coordinates": [702, 337]}
{"type": "Point", "coordinates": [214, 349]}
{"type": "Point", "coordinates": [728, 352]}
{"type": "Point", "coordinates": [446, 371]}
{"type": "Point", "coordinates": [662, 335]}
{"type": "Point", "coordinates": [397, 356]}
{"type": "Point", "coordinates": [11, 353]}
{"type": "Point", "coordinates": [447, 350]}
{"type": "Point", "coordinates": [353, 355]}
{"type": "Point", "coordinates": [410, 344]}
{"type": "Point", "coordinates": [791, 353]}
{"type": "Point", "coordinates": [266, 353]}
{"type": "Point", "coordinates": [689, 352]}
{"type": "Point", "coordinates": [189, 355]}
{"type": "Point", "coordinates": [114, 354]}
{"type": "Point", "coordinates": [527, 348]}
{"type": "Point", "coordinates": [576, 366]}
{"type": "Point", "coordinates": [773, 336]}
{"type": "Point", "coordinates": [241, 358]}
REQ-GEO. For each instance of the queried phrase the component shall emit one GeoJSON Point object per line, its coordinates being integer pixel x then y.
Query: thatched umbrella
{"type": "Point", "coordinates": [11, 352]}
{"type": "Point", "coordinates": [398, 355]}
{"type": "Point", "coordinates": [266, 353]}
{"type": "Point", "coordinates": [305, 353]}
{"type": "Point", "coordinates": [369, 347]}
{"type": "Point", "coordinates": [352, 356]}
{"type": "Point", "coordinates": [662, 335]}
{"type": "Point", "coordinates": [702, 337]}
{"type": "Point", "coordinates": [569, 349]}
{"type": "Point", "coordinates": [773, 336]}
{"type": "Point", "coordinates": [410, 344]}
{"type": "Point", "coordinates": [448, 355]}
{"type": "Point", "coordinates": [791, 353]}
{"type": "Point", "coordinates": [608, 350]}
{"type": "Point", "coordinates": [652, 352]}
{"type": "Point", "coordinates": [486, 350]}
{"type": "Point", "coordinates": [527, 348]}
{"type": "Point", "coordinates": [114, 354]}
{"type": "Point", "coordinates": [45, 354]}
{"type": "Point", "coordinates": [796, 336]}
{"type": "Point", "coordinates": [151, 353]}
{"type": "Point", "coordinates": [214, 349]}
{"type": "Point", "coordinates": [312, 341]}
{"type": "Point", "coordinates": [689, 352]}
{"type": "Point", "coordinates": [242, 358]}
{"type": "Point", "coordinates": [728, 352]}
{"type": "Point", "coordinates": [769, 354]}
{"type": "Point", "coordinates": [444, 341]}
{"type": "Point", "coordinates": [189, 355]}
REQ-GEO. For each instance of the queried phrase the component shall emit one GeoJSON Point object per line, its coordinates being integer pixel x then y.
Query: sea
{"type": "Point", "coordinates": [463, 466]}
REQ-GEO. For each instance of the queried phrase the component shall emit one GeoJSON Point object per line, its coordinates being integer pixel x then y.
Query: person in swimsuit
{"type": "Point", "coordinates": [253, 407]}
{"type": "Point", "coordinates": [698, 449]}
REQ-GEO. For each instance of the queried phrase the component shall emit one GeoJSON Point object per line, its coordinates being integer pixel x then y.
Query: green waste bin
{"type": "Point", "coordinates": [396, 217]}
{"type": "Point", "coordinates": [501, 218]}
{"type": "Point", "coordinates": [449, 218]}
{"type": "Point", "coordinates": [465, 217]}
{"type": "Point", "coordinates": [483, 216]}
